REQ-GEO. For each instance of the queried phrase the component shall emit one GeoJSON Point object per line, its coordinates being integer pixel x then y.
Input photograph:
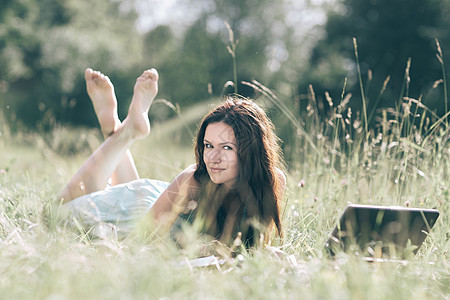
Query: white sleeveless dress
{"type": "Point", "coordinates": [116, 210]}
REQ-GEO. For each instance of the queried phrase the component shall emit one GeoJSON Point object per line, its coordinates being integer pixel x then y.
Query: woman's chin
{"type": "Point", "coordinates": [228, 183]}
{"type": "Point", "coordinates": [215, 181]}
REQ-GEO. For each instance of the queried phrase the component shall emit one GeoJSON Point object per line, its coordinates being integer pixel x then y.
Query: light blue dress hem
{"type": "Point", "coordinates": [117, 209]}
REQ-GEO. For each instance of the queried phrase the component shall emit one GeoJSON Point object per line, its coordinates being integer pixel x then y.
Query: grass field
{"type": "Point", "coordinates": [405, 162]}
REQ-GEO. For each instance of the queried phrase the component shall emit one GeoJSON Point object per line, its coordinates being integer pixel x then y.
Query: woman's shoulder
{"type": "Point", "coordinates": [281, 176]}
{"type": "Point", "coordinates": [189, 171]}
{"type": "Point", "coordinates": [187, 176]}
{"type": "Point", "coordinates": [282, 179]}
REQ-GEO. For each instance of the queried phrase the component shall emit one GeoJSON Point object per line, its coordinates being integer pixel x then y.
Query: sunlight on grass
{"type": "Point", "coordinates": [403, 160]}
{"type": "Point", "coordinates": [386, 168]}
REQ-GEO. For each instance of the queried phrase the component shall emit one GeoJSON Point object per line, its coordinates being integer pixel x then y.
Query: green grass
{"type": "Point", "coordinates": [336, 162]}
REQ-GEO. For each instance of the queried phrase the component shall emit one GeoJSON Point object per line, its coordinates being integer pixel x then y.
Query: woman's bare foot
{"type": "Point", "coordinates": [145, 90]}
{"type": "Point", "coordinates": [101, 92]}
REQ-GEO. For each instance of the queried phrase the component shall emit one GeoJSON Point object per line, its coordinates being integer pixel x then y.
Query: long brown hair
{"type": "Point", "coordinates": [257, 194]}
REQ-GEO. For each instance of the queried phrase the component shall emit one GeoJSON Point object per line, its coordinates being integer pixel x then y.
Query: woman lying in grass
{"type": "Point", "coordinates": [234, 187]}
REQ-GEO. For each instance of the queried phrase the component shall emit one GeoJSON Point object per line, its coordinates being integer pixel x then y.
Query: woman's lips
{"type": "Point", "coordinates": [216, 170]}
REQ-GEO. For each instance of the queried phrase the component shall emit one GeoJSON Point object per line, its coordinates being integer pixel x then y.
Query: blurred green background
{"type": "Point", "coordinates": [287, 45]}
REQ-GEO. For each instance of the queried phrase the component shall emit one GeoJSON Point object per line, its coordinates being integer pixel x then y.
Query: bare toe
{"type": "Point", "coordinates": [88, 74]}
{"type": "Point", "coordinates": [151, 74]}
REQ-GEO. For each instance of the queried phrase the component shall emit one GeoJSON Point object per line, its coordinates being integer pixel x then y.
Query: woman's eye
{"type": "Point", "coordinates": [208, 146]}
{"type": "Point", "coordinates": [227, 148]}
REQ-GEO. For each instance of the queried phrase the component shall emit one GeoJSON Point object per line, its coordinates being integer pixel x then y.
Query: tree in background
{"type": "Point", "coordinates": [45, 46]}
{"type": "Point", "coordinates": [388, 34]}
{"type": "Point", "coordinates": [200, 65]}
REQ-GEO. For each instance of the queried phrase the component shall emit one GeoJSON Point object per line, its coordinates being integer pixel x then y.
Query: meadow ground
{"type": "Point", "coordinates": [329, 165]}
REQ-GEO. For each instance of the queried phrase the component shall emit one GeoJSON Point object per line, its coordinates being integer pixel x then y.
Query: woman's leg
{"type": "Point", "coordinates": [93, 175]}
{"type": "Point", "coordinates": [101, 92]}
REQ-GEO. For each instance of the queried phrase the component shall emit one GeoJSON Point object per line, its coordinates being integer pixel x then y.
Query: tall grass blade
{"type": "Point", "coordinates": [232, 50]}
{"type": "Point", "coordinates": [355, 45]}
{"type": "Point", "coordinates": [440, 57]}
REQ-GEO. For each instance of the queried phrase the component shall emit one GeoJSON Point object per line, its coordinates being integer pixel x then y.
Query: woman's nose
{"type": "Point", "coordinates": [215, 156]}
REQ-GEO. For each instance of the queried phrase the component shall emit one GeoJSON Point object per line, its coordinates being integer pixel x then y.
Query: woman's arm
{"type": "Point", "coordinates": [174, 199]}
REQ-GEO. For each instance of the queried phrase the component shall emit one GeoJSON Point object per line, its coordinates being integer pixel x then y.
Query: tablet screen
{"type": "Point", "coordinates": [381, 231]}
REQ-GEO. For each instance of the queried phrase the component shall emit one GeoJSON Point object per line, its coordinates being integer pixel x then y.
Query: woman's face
{"type": "Point", "coordinates": [220, 154]}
